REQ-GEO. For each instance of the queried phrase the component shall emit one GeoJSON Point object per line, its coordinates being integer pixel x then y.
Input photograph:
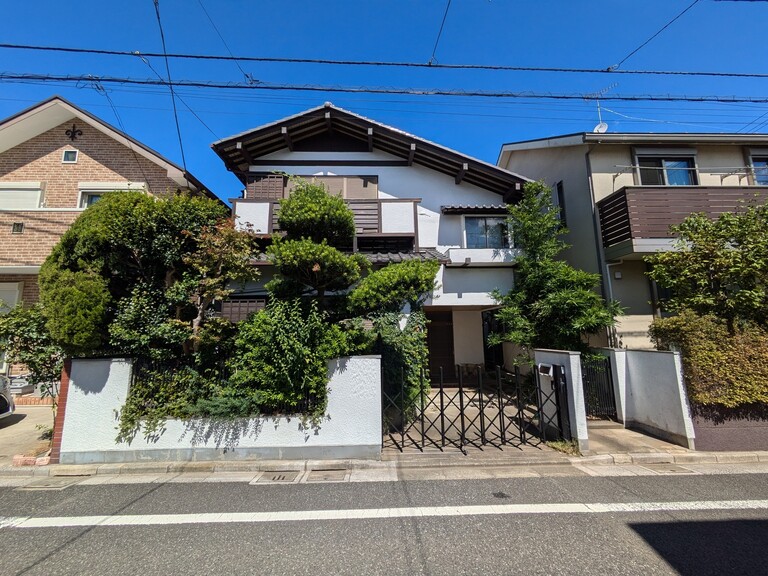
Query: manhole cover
{"type": "Point", "coordinates": [668, 469]}
{"type": "Point", "coordinates": [277, 476]}
{"type": "Point", "coordinates": [51, 483]}
{"type": "Point", "coordinates": [337, 475]}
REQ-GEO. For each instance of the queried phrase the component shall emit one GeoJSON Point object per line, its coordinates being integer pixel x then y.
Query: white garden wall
{"type": "Point", "coordinates": [351, 427]}
{"type": "Point", "coordinates": [650, 394]}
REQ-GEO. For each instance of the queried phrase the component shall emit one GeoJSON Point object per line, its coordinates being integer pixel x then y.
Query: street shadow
{"type": "Point", "coordinates": [709, 546]}
{"type": "Point", "coordinates": [11, 420]}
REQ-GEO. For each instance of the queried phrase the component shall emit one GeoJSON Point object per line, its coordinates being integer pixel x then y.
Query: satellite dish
{"type": "Point", "coordinates": [601, 128]}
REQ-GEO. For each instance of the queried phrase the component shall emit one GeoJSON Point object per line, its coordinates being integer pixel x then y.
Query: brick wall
{"type": "Point", "coordinates": [100, 159]}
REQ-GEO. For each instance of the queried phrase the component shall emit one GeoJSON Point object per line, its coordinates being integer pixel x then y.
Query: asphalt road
{"type": "Point", "coordinates": [18, 432]}
{"type": "Point", "coordinates": [386, 527]}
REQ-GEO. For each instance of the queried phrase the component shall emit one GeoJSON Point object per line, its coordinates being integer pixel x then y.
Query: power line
{"type": "Point", "coordinates": [440, 33]}
{"type": "Point", "coordinates": [319, 61]}
{"type": "Point", "coordinates": [667, 25]}
{"type": "Point", "coordinates": [188, 107]}
{"type": "Point", "coordinates": [170, 87]}
{"type": "Point", "coordinates": [246, 75]}
{"type": "Point", "coordinates": [7, 76]}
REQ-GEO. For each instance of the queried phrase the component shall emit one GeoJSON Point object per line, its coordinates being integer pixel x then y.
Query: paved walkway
{"type": "Point", "coordinates": [606, 437]}
{"type": "Point", "coordinates": [18, 433]}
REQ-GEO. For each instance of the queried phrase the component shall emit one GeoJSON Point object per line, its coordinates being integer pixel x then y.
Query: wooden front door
{"type": "Point", "coordinates": [440, 344]}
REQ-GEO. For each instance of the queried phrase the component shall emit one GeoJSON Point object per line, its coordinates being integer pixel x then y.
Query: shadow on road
{"type": "Point", "coordinates": [11, 420]}
{"type": "Point", "coordinates": [710, 546]}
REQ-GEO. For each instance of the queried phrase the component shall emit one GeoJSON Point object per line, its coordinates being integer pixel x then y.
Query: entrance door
{"type": "Point", "coordinates": [440, 344]}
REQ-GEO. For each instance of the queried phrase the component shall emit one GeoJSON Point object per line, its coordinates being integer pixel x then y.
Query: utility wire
{"type": "Point", "coordinates": [435, 65]}
{"type": "Point", "coordinates": [170, 87]}
{"type": "Point", "coordinates": [41, 78]}
{"type": "Point", "coordinates": [432, 59]}
{"type": "Point", "coordinates": [101, 90]}
{"type": "Point", "coordinates": [667, 25]}
{"type": "Point", "coordinates": [246, 75]}
{"type": "Point", "coordinates": [149, 64]}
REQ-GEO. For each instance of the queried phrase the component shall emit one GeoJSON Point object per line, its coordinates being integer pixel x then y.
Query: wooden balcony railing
{"type": "Point", "coordinates": [649, 211]}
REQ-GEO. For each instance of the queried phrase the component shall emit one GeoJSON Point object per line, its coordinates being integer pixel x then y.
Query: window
{"type": "Point", "coordinates": [17, 228]}
{"type": "Point", "coordinates": [760, 167]}
{"type": "Point", "coordinates": [486, 232]}
{"type": "Point", "coordinates": [69, 157]}
{"type": "Point", "coordinates": [667, 171]}
{"type": "Point", "coordinates": [91, 192]}
{"type": "Point", "coordinates": [89, 198]}
{"type": "Point", "coordinates": [20, 196]}
{"type": "Point", "coordinates": [561, 202]}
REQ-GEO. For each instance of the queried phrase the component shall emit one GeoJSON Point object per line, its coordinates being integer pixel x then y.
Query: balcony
{"type": "Point", "coordinates": [381, 224]}
{"type": "Point", "coordinates": [635, 220]}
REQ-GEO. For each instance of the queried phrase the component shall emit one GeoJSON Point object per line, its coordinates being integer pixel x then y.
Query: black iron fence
{"type": "Point", "coordinates": [600, 399]}
{"type": "Point", "coordinates": [497, 409]}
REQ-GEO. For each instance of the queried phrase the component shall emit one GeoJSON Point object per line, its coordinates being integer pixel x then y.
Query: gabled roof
{"type": "Point", "coordinates": [240, 150]}
{"type": "Point", "coordinates": [54, 111]}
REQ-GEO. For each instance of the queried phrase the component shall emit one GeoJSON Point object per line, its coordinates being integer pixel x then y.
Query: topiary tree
{"type": "Point", "coordinates": [552, 305]}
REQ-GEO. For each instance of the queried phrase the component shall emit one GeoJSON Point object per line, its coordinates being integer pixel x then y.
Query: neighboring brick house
{"type": "Point", "coordinates": [55, 160]}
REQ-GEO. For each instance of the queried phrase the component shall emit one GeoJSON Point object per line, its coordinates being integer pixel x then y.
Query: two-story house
{"type": "Point", "coordinates": [620, 192]}
{"type": "Point", "coordinates": [411, 198]}
{"type": "Point", "coordinates": [55, 160]}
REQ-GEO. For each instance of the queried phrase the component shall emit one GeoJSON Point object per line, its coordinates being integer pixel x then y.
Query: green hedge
{"type": "Point", "coordinates": [722, 368]}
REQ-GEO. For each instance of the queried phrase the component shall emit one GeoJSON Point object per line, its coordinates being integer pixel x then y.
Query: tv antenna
{"type": "Point", "coordinates": [601, 127]}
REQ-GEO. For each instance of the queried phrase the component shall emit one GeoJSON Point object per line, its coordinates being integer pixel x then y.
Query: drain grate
{"type": "Point", "coordinates": [278, 476]}
{"type": "Point", "coordinates": [501, 495]}
{"type": "Point", "coordinates": [51, 483]}
{"type": "Point", "coordinates": [329, 475]}
{"type": "Point", "coordinates": [668, 469]}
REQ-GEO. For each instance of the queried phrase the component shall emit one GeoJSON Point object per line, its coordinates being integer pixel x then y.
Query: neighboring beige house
{"type": "Point", "coordinates": [411, 198]}
{"type": "Point", "coordinates": [55, 160]}
{"type": "Point", "coordinates": [619, 193]}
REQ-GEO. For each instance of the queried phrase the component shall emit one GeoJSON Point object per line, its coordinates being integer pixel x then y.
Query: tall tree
{"type": "Point", "coordinates": [552, 304]}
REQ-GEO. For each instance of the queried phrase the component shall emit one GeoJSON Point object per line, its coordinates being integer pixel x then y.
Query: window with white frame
{"type": "Point", "coordinates": [91, 192]}
{"type": "Point", "coordinates": [667, 170]}
{"type": "Point", "coordinates": [760, 169]}
{"type": "Point", "coordinates": [486, 232]}
{"type": "Point", "coordinates": [20, 195]}
{"type": "Point", "coordinates": [69, 157]}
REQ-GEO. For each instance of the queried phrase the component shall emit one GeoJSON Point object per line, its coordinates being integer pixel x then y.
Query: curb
{"type": "Point", "coordinates": [414, 462]}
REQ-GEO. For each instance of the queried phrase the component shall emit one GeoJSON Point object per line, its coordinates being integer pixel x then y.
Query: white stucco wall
{"type": "Point", "coordinates": [254, 213]}
{"type": "Point", "coordinates": [351, 427]}
{"type": "Point", "coordinates": [470, 286]}
{"type": "Point", "coordinates": [650, 393]}
{"type": "Point", "coordinates": [571, 363]}
{"type": "Point", "coordinates": [468, 337]}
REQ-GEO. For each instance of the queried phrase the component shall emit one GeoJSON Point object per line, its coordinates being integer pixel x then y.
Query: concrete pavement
{"type": "Point", "coordinates": [18, 433]}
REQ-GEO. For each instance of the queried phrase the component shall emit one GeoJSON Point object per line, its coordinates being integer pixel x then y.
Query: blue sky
{"type": "Point", "coordinates": [712, 36]}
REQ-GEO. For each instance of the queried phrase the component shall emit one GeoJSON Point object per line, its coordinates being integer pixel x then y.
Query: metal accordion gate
{"type": "Point", "coordinates": [599, 396]}
{"type": "Point", "coordinates": [488, 410]}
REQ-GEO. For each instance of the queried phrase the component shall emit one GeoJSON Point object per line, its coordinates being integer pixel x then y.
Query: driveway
{"type": "Point", "coordinates": [18, 433]}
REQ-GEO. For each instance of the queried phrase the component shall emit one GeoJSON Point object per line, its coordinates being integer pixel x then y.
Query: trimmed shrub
{"type": "Point", "coordinates": [722, 369]}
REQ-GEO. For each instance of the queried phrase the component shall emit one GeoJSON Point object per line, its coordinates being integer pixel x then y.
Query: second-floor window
{"type": "Point", "coordinates": [20, 197]}
{"type": "Point", "coordinates": [760, 167]}
{"type": "Point", "coordinates": [667, 171]}
{"type": "Point", "coordinates": [486, 232]}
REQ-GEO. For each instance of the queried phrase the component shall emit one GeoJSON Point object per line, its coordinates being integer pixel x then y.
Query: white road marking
{"type": "Point", "coordinates": [374, 513]}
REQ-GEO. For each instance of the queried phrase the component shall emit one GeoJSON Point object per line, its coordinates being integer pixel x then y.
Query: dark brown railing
{"type": "Point", "coordinates": [649, 211]}
{"type": "Point", "coordinates": [367, 215]}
